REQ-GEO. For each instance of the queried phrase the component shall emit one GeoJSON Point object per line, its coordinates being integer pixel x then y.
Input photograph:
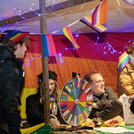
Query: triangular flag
{"type": "Point", "coordinates": [88, 20]}
{"type": "Point", "coordinates": [67, 32]}
{"type": "Point", "coordinates": [123, 60]}
{"type": "Point", "coordinates": [99, 15]}
{"type": "Point", "coordinates": [48, 45]}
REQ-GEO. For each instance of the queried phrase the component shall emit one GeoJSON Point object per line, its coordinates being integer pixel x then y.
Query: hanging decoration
{"type": "Point", "coordinates": [67, 32]}
{"type": "Point", "coordinates": [48, 45]}
{"type": "Point", "coordinates": [130, 2]}
{"type": "Point", "coordinates": [88, 20]}
{"type": "Point", "coordinates": [123, 60]}
{"type": "Point", "coordinates": [99, 15]}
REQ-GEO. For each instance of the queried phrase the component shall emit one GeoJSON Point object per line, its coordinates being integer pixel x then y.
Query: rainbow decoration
{"type": "Point", "coordinates": [99, 15]}
{"type": "Point", "coordinates": [15, 36]}
{"type": "Point", "coordinates": [48, 45]}
{"type": "Point", "coordinates": [130, 2]}
{"type": "Point", "coordinates": [88, 20]}
{"type": "Point", "coordinates": [67, 32]}
{"type": "Point", "coordinates": [123, 60]}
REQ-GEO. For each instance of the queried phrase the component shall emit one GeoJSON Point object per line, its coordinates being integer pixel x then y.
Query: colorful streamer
{"type": "Point", "coordinates": [123, 60]}
{"type": "Point", "coordinates": [48, 45]}
{"type": "Point", "coordinates": [99, 15]}
{"type": "Point", "coordinates": [88, 20]}
{"type": "Point", "coordinates": [67, 32]}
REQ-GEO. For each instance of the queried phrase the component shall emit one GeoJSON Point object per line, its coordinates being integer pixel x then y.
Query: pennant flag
{"type": "Point", "coordinates": [67, 32]}
{"type": "Point", "coordinates": [123, 60]}
{"type": "Point", "coordinates": [88, 20]}
{"type": "Point", "coordinates": [99, 15]}
{"type": "Point", "coordinates": [48, 45]}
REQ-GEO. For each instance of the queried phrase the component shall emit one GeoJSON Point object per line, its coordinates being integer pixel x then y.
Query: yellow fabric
{"type": "Point", "coordinates": [25, 93]}
{"type": "Point", "coordinates": [31, 129]}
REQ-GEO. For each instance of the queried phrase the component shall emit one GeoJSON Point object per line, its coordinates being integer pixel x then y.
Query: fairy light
{"type": "Point", "coordinates": [19, 11]}
{"type": "Point", "coordinates": [109, 48]}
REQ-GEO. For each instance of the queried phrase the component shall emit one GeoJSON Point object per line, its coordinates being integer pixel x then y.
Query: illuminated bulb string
{"type": "Point", "coordinates": [59, 55]}
{"type": "Point", "coordinates": [109, 48]}
{"type": "Point", "coordinates": [19, 11]}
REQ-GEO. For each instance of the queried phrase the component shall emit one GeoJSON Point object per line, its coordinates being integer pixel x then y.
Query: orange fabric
{"type": "Point", "coordinates": [71, 64]}
{"type": "Point", "coordinates": [32, 67]}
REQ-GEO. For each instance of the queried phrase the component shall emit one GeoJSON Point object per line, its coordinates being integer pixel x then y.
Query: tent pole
{"type": "Point", "coordinates": [43, 30]}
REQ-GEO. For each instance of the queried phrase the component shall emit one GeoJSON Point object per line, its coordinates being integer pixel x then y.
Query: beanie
{"type": "Point", "coordinates": [15, 35]}
{"type": "Point", "coordinates": [52, 75]}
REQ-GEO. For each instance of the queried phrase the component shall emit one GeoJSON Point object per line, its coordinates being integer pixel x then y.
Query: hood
{"type": "Point", "coordinates": [5, 54]}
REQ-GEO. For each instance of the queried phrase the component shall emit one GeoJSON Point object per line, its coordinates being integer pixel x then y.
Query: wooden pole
{"type": "Point", "coordinates": [45, 66]}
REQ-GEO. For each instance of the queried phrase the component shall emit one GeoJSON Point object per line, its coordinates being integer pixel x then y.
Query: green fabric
{"type": "Point", "coordinates": [46, 129]}
{"type": "Point", "coordinates": [129, 127]}
{"type": "Point", "coordinates": [43, 130]}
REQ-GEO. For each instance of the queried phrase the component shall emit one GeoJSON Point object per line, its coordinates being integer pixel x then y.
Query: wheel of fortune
{"type": "Point", "coordinates": [76, 101]}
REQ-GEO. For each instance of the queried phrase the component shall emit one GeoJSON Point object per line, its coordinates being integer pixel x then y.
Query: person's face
{"type": "Point", "coordinates": [20, 51]}
{"type": "Point", "coordinates": [97, 85]}
{"type": "Point", "coordinates": [51, 86]}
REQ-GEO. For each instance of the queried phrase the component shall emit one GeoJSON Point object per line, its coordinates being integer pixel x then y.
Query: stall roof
{"type": "Point", "coordinates": [120, 16]}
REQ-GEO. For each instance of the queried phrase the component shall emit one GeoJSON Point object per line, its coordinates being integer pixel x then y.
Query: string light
{"type": "Point", "coordinates": [19, 11]}
{"type": "Point", "coordinates": [59, 55]}
{"type": "Point", "coordinates": [109, 48]}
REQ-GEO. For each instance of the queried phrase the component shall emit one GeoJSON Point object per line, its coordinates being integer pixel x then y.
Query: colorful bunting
{"type": "Point", "coordinates": [99, 15]}
{"type": "Point", "coordinates": [48, 45]}
{"type": "Point", "coordinates": [123, 60]}
{"type": "Point", "coordinates": [67, 32]}
{"type": "Point", "coordinates": [88, 19]}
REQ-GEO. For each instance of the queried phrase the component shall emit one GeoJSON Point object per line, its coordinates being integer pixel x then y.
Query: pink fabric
{"type": "Point", "coordinates": [87, 49]}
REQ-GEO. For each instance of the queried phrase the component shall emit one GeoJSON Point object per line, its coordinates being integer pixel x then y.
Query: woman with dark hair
{"type": "Point", "coordinates": [35, 103]}
{"type": "Point", "coordinates": [13, 46]}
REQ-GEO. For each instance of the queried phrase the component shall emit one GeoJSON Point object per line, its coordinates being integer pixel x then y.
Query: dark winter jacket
{"type": "Point", "coordinates": [35, 110]}
{"type": "Point", "coordinates": [11, 84]}
{"type": "Point", "coordinates": [108, 105]}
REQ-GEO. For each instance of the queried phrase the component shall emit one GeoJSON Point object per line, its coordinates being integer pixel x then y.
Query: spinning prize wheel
{"type": "Point", "coordinates": [76, 101]}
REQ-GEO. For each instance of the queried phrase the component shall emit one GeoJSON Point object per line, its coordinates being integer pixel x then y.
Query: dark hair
{"type": "Point", "coordinates": [88, 76]}
{"type": "Point", "coordinates": [130, 49]}
{"type": "Point", "coordinates": [132, 106]}
{"type": "Point", "coordinates": [7, 43]}
{"type": "Point", "coordinates": [52, 75]}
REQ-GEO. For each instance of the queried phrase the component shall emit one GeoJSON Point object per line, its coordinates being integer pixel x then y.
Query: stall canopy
{"type": "Point", "coordinates": [97, 51]}
{"type": "Point", "coordinates": [120, 16]}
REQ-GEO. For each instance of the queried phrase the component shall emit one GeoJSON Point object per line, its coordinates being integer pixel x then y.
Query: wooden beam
{"type": "Point", "coordinates": [29, 15]}
{"type": "Point", "coordinates": [43, 26]}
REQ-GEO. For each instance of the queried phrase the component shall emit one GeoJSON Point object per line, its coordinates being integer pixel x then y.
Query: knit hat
{"type": "Point", "coordinates": [52, 75]}
{"type": "Point", "coordinates": [15, 35]}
